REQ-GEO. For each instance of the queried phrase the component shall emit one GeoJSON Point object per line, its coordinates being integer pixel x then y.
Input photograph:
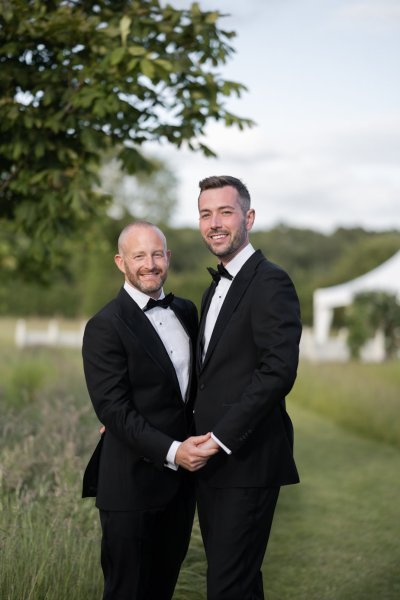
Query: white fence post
{"type": "Point", "coordinates": [51, 336]}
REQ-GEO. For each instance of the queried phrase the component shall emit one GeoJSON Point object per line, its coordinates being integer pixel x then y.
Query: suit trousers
{"type": "Point", "coordinates": [235, 525]}
{"type": "Point", "coordinates": [142, 550]}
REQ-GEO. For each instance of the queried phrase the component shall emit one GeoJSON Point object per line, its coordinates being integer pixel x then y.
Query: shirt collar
{"type": "Point", "coordinates": [139, 297]}
{"type": "Point", "coordinates": [234, 265]}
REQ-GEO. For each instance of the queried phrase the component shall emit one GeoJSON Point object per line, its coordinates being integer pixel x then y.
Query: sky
{"type": "Point", "coordinates": [324, 89]}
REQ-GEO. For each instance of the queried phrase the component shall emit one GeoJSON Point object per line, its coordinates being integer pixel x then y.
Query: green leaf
{"type": "Point", "coordinates": [116, 56]}
{"type": "Point", "coordinates": [39, 150]}
{"type": "Point", "coordinates": [134, 161]}
{"type": "Point", "coordinates": [147, 68]}
{"type": "Point", "coordinates": [212, 17]}
{"type": "Point", "coordinates": [164, 64]}
{"type": "Point", "coordinates": [124, 26]}
{"type": "Point", "coordinates": [137, 50]}
{"type": "Point", "coordinates": [132, 64]}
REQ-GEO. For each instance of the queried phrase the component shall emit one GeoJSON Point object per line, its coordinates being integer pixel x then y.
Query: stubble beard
{"type": "Point", "coordinates": [236, 243]}
{"type": "Point", "coordinates": [145, 288]}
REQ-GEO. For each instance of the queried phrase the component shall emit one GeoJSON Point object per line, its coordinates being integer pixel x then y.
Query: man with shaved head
{"type": "Point", "coordinates": [138, 355]}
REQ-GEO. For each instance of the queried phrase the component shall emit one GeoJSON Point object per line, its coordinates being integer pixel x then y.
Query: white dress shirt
{"type": "Point", "coordinates": [233, 267]}
{"type": "Point", "coordinates": [176, 342]}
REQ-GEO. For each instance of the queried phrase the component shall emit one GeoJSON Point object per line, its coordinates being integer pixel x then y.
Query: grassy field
{"type": "Point", "coordinates": [335, 536]}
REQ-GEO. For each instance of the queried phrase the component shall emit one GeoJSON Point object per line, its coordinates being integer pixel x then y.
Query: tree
{"type": "Point", "coordinates": [370, 312]}
{"type": "Point", "coordinates": [146, 195]}
{"type": "Point", "coordinates": [81, 77]}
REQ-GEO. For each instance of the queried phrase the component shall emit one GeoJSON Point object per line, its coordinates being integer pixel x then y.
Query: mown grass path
{"type": "Point", "coordinates": [336, 536]}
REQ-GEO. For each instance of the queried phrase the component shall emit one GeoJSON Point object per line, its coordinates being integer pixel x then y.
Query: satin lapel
{"type": "Point", "coordinates": [205, 305]}
{"type": "Point", "coordinates": [192, 339]}
{"type": "Point", "coordinates": [233, 297]}
{"type": "Point", "coordinates": [140, 327]}
{"type": "Point", "coordinates": [180, 314]}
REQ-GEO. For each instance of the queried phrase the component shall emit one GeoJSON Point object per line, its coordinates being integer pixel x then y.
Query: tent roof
{"type": "Point", "coordinates": [384, 278]}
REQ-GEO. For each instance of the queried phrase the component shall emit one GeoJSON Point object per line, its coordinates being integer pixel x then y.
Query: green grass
{"type": "Point", "coordinates": [363, 398]}
{"type": "Point", "coordinates": [335, 536]}
{"type": "Point", "coordinates": [49, 551]}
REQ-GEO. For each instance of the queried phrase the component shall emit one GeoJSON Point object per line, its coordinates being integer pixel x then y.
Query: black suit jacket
{"type": "Point", "coordinates": [135, 393]}
{"type": "Point", "coordinates": [249, 368]}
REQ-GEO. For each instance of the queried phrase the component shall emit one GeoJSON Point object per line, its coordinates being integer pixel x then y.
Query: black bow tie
{"type": "Point", "coordinates": [164, 302]}
{"type": "Point", "coordinates": [221, 272]}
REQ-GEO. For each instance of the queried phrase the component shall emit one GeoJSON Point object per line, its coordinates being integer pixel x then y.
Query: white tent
{"type": "Point", "coordinates": [385, 278]}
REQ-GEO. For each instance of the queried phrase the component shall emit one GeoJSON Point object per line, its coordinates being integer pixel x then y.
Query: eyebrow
{"type": "Point", "coordinates": [219, 208]}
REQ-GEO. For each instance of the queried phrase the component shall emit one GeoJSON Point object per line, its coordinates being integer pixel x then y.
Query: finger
{"type": "Point", "coordinates": [200, 439]}
{"type": "Point", "coordinates": [206, 452]}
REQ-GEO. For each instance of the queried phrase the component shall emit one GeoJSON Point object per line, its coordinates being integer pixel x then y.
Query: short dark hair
{"type": "Point", "coordinates": [220, 181]}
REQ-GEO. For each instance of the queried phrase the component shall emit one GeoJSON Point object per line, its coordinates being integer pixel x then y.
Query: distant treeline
{"type": "Point", "coordinates": [89, 278]}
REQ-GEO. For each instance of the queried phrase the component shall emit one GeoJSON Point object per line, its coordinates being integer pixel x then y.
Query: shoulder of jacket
{"type": "Point", "coordinates": [107, 311]}
{"type": "Point", "coordinates": [184, 302]}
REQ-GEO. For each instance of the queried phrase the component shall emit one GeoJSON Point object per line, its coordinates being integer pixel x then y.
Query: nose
{"type": "Point", "coordinates": [149, 262]}
{"type": "Point", "coordinates": [215, 221]}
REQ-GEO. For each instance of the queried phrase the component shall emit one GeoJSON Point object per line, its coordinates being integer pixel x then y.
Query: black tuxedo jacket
{"type": "Point", "coordinates": [135, 393]}
{"type": "Point", "coordinates": [249, 368]}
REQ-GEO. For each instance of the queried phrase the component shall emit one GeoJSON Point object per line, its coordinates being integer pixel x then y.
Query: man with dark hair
{"type": "Point", "coordinates": [138, 354]}
{"type": "Point", "coordinates": [247, 361]}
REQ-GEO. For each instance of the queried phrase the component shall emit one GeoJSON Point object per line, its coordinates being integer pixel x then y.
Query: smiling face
{"type": "Point", "coordinates": [223, 225]}
{"type": "Point", "coordinates": [143, 258]}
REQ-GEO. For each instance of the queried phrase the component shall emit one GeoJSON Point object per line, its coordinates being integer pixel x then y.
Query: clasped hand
{"type": "Point", "coordinates": [194, 452]}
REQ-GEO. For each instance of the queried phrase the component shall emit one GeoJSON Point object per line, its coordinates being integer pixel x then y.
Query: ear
{"type": "Point", "coordinates": [250, 216]}
{"type": "Point", "coordinates": [119, 261]}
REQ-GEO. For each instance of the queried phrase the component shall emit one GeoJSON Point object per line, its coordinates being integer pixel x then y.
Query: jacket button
{"type": "Point", "coordinates": [201, 386]}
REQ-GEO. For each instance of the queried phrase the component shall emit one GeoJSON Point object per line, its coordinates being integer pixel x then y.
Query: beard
{"type": "Point", "coordinates": [236, 242]}
{"type": "Point", "coordinates": [147, 287]}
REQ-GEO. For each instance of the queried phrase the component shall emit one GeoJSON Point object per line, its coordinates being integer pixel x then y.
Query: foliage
{"type": "Point", "coordinates": [81, 77]}
{"type": "Point", "coordinates": [312, 259]}
{"type": "Point", "coordinates": [359, 320]}
{"type": "Point", "coordinates": [359, 251]}
{"type": "Point", "coordinates": [150, 196]}
{"type": "Point", "coordinates": [370, 312]}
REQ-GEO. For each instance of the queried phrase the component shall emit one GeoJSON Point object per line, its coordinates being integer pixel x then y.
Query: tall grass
{"type": "Point", "coordinates": [361, 397]}
{"type": "Point", "coordinates": [49, 538]}
{"type": "Point", "coordinates": [49, 550]}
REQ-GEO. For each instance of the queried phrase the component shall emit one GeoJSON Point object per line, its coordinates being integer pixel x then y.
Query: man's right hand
{"type": "Point", "coordinates": [191, 456]}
